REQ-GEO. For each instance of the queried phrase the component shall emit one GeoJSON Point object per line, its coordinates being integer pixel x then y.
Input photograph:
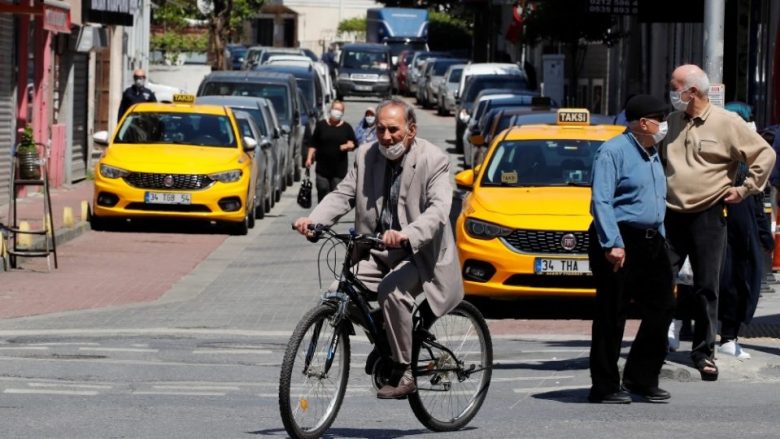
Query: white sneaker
{"type": "Point", "coordinates": [734, 349]}
{"type": "Point", "coordinates": [673, 335]}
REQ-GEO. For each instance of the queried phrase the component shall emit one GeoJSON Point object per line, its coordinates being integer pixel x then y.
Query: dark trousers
{"type": "Point", "coordinates": [325, 185]}
{"type": "Point", "coordinates": [646, 277]}
{"type": "Point", "coordinates": [702, 237]}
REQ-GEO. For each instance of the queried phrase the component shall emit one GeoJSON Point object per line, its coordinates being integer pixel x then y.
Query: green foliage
{"type": "Point", "coordinates": [27, 141]}
{"type": "Point", "coordinates": [356, 24]}
{"type": "Point", "coordinates": [446, 32]}
{"type": "Point", "coordinates": [172, 13]}
{"type": "Point", "coordinates": [174, 42]}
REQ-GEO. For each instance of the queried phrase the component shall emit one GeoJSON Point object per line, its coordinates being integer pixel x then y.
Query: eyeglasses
{"type": "Point", "coordinates": [139, 77]}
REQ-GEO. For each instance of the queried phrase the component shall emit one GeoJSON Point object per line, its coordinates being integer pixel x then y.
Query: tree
{"type": "Point", "coordinates": [568, 23]}
{"type": "Point", "coordinates": [223, 17]}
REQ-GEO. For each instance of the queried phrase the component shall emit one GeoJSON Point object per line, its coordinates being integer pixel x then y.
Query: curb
{"type": "Point", "coordinates": [61, 236]}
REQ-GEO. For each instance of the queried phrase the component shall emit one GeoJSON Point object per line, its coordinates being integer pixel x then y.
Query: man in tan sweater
{"type": "Point", "coordinates": [700, 154]}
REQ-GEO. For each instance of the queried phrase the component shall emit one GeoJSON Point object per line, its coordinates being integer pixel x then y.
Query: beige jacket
{"type": "Point", "coordinates": [423, 211]}
{"type": "Point", "coordinates": [700, 156]}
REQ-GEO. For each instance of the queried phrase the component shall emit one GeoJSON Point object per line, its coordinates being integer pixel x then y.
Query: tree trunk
{"type": "Point", "coordinates": [218, 33]}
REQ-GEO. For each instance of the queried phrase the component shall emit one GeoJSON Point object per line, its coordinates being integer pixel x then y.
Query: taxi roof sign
{"type": "Point", "coordinates": [573, 116]}
{"type": "Point", "coordinates": [183, 98]}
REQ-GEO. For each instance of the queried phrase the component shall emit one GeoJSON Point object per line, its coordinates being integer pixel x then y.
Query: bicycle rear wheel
{"type": "Point", "coordinates": [451, 389]}
{"type": "Point", "coordinates": [310, 393]}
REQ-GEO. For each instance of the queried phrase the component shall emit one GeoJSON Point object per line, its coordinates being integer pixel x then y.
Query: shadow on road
{"type": "Point", "coordinates": [572, 396]}
{"type": "Point", "coordinates": [367, 433]}
{"type": "Point", "coordinates": [191, 227]}
{"type": "Point", "coordinates": [549, 366]}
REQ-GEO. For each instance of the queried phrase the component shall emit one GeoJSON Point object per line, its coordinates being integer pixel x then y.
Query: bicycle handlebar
{"type": "Point", "coordinates": [375, 240]}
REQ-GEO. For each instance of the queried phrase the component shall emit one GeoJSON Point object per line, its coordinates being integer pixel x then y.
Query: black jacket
{"type": "Point", "coordinates": [134, 95]}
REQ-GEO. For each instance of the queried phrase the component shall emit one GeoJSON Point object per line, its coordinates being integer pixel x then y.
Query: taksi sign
{"type": "Point", "coordinates": [575, 116]}
{"type": "Point", "coordinates": [116, 12]}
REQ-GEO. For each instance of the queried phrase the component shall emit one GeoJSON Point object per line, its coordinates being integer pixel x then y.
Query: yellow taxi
{"type": "Point", "coordinates": [523, 227]}
{"type": "Point", "coordinates": [176, 160]}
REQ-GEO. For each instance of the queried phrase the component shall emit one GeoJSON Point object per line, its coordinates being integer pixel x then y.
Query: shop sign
{"type": "Point", "coordinates": [56, 19]}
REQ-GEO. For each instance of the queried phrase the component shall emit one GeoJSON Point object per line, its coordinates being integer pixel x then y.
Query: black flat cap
{"type": "Point", "coordinates": [645, 105]}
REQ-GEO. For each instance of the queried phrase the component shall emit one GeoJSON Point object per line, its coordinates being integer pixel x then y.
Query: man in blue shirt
{"type": "Point", "coordinates": [628, 256]}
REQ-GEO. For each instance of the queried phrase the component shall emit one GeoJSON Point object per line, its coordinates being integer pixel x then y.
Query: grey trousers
{"type": "Point", "coordinates": [394, 277]}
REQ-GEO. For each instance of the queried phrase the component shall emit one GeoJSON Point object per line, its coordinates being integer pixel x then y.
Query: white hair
{"type": "Point", "coordinates": [697, 78]}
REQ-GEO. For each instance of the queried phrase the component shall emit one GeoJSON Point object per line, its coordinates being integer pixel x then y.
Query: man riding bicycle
{"type": "Point", "coordinates": [400, 186]}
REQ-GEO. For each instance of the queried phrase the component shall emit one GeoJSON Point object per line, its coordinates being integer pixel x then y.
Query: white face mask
{"type": "Point", "coordinates": [370, 120]}
{"type": "Point", "coordinates": [394, 151]}
{"type": "Point", "coordinates": [677, 102]}
{"type": "Point", "coordinates": [139, 83]}
{"type": "Point", "coordinates": [663, 128]}
{"type": "Point", "coordinates": [336, 114]}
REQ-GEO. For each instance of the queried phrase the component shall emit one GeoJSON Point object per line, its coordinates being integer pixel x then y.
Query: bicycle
{"type": "Point", "coordinates": [452, 355]}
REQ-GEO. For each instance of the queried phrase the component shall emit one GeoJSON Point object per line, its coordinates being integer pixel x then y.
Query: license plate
{"type": "Point", "coordinates": [167, 198]}
{"type": "Point", "coordinates": [363, 88]}
{"type": "Point", "coordinates": [576, 267]}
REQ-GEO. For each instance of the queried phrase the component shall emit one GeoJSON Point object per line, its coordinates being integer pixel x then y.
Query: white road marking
{"type": "Point", "coordinates": [117, 350]}
{"type": "Point", "coordinates": [52, 392]}
{"type": "Point", "coordinates": [539, 378]}
{"type": "Point", "coordinates": [548, 389]}
{"type": "Point", "coordinates": [75, 386]}
{"type": "Point", "coordinates": [530, 360]}
{"type": "Point", "coordinates": [232, 351]}
{"type": "Point", "coordinates": [24, 348]}
{"type": "Point", "coordinates": [186, 387]}
{"type": "Point", "coordinates": [172, 393]}
{"type": "Point", "coordinates": [135, 362]}
{"type": "Point", "coordinates": [65, 343]}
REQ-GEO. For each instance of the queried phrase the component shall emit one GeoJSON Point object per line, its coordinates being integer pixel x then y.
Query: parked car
{"type": "Point", "coordinates": [434, 77]}
{"type": "Point", "coordinates": [486, 69]}
{"type": "Point", "coordinates": [414, 68]}
{"type": "Point", "coordinates": [364, 70]}
{"type": "Point", "coordinates": [515, 81]}
{"type": "Point", "coordinates": [281, 90]}
{"type": "Point", "coordinates": [176, 161]}
{"type": "Point", "coordinates": [326, 82]}
{"type": "Point", "coordinates": [236, 54]}
{"type": "Point", "coordinates": [271, 51]}
{"type": "Point", "coordinates": [261, 157]}
{"type": "Point", "coordinates": [252, 57]}
{"type": "Point", "coordinates": [448, 88]}
{"type": "Point", "coordinates": [483, 102]}
{"type": "Point", "coordinates": [270, 168]}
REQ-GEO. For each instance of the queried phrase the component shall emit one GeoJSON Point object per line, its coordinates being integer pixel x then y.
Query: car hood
{"type": "Point", "coordinates": [175, 159]}
{"type": "Point", "coordinates": [365, 71]}
{"type": "Point", "coordinates": [536, 201]}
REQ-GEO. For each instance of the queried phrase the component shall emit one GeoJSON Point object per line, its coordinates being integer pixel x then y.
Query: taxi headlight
{"type": "Point", "coordinates": [112, 172]}
{"type": "Point", "coordinates": [464, 115]}
{"type": "Point", "coordinates": [485, 230]}
{"type": "Point", "coordinates": [227, 176]}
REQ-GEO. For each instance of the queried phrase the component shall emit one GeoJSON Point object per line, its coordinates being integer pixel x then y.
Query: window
{"type": "Point", "coordinates": [541, 163]}
{"type": "Point", "coordinates": [177, 128]}
{"type": "Point", "coordinates": [276, 93]}
{"type": "Point", "coordinates": [355, 59]}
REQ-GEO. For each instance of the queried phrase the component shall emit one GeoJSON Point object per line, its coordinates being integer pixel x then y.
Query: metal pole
{"type": "Point", "coordinates": [714, 12]}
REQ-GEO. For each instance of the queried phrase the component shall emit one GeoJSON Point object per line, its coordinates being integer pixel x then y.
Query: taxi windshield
{"type": "Point", "coordinates": [177, 128]}
{"type": "Point", "coordinates": [519, 163]}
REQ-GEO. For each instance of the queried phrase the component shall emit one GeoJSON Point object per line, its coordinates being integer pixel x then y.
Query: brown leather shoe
{"type": "Point", "coordinates": [405, 386]}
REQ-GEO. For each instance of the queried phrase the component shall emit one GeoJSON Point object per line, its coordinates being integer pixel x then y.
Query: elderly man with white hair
{"type": "Point", "coordinates": [701, 153]}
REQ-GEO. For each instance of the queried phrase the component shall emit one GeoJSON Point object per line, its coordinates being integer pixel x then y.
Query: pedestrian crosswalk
{"type": "Point", "coordinates": [198, 367]}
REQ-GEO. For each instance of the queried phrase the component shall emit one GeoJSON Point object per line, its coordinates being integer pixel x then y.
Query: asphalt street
{"type": "Point", "coordinates": [203, 361]}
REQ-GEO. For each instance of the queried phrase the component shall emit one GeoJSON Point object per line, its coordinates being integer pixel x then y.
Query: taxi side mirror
{"type": "Point", "coordinates": [100, 138]}
{"type": "Point", "coordinates": [477, 139]}
{"type": "Point", "coordinates": [250, 144]}
{"type": "Point", "coordinates": [465, 179]}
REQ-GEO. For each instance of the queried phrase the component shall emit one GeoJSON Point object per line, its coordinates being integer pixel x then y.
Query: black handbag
{"type": "Point", "coordinates": [304, 193]}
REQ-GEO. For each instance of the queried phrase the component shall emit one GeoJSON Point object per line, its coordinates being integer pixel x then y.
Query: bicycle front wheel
{"type": "Point", "coordinates": [452, 367]}
{"type": "Point", "coordinates": [314, 376]}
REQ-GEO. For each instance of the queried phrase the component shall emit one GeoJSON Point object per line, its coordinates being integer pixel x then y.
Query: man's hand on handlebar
{"type": "Point", "coordinates": [302, 226]}
{"type": "Point", "coordinates": [394, 238]}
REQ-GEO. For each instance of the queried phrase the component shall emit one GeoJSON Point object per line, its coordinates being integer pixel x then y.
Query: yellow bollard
{"type": "Point", "coordinates": [84, 211]}
{"type": "Point", "coordinates": [67, 216]}
{"type": "Point", "coordinates": [24, 239]}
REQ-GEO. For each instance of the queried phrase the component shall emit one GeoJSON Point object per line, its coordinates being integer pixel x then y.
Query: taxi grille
{"type": "Point", "coordinates": [147, 180]}
{"type": "Point", "coordinates": [544, 241]}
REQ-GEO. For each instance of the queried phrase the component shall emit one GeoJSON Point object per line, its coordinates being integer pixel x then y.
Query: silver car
{"type": "Point", "coordinates": [447, 103]}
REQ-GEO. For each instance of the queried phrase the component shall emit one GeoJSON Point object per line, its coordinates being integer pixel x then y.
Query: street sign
{"type": "Point", "coordinates": [717, 95]}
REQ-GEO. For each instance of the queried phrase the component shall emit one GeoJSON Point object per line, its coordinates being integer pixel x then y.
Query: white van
{"type": "Point", "coordinates": [485, 69]}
